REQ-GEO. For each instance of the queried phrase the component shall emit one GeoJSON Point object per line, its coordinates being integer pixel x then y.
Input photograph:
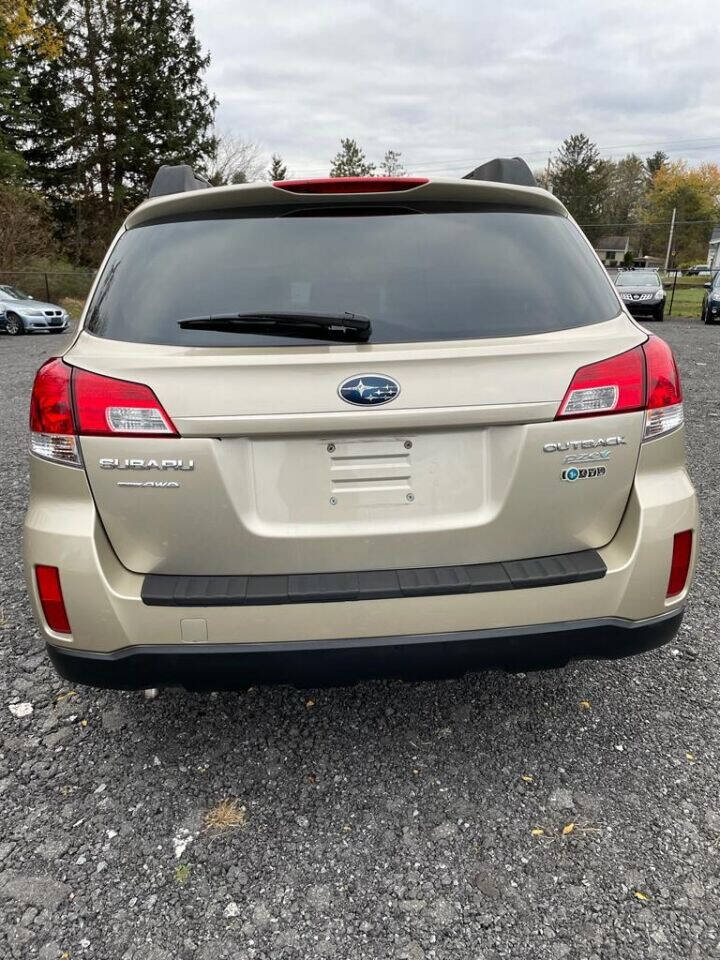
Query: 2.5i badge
{"type": "Point", "coordinates": [582, 473]}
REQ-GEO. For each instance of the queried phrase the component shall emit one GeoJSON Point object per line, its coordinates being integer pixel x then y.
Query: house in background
{"type": "Point", "coordinates": [612, 250]}
{"type": "Point", "coordinates": [714, 250]}
{"type": "Point", "coordinates": [649, 263]}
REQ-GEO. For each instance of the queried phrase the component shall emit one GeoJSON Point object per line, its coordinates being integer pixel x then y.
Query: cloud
{"type": "Point", "coordinates": [450, 85]}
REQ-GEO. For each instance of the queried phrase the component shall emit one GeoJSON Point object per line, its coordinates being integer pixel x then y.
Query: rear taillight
{"type": "Point", "coordinates": [351, 184]}
{"type": "Point", "coordinates": [67, 403]}
{"type": "Point", "coordinates": [51, 598]}
{"type": "Point", "coordinates": [664, 392]}
{"type": "Point", "coordinates": [615, 385]}
{"type": "Point", "coordinates": [644, 378]}
{"type": "Point", "coordinates": [108, 407]}
{"type": "Point", "coordinates": [680, 565]}
{"type": "Point", "coordinates": [52, 428]}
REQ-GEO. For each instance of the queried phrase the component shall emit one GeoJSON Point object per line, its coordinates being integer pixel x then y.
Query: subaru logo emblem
{"type": "Point", "coordinates": [369, 390]}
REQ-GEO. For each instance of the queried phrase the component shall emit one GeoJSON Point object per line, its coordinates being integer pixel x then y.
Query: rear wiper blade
{"type": "Point", "coordinates": [326, 326]}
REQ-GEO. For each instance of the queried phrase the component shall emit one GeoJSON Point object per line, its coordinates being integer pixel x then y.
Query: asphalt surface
{"type": "Point", "coordinates": [387, 820]}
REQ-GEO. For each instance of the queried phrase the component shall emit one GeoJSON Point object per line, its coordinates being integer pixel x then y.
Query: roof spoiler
{"type": "Point", "coordinates": [504, 170]}
{"type": "Point", "coordinates": [176, 179]}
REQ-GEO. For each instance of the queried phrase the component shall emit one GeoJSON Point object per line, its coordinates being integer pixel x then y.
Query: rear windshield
{"type": "Point", "coordinates": [638, 280]}
{"type": "Point", "coordinates": [420, 273]}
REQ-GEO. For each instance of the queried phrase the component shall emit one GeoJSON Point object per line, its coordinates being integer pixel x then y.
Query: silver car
{"type": "Point", "coordinates": [21, 313]}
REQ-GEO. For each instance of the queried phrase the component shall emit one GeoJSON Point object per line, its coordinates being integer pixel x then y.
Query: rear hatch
{"type": "Point", "coordinates": [483, 304]}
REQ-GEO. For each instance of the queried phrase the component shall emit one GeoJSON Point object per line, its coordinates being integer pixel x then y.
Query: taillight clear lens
{"type": "Point", "coordinates": [52, 430]}
{"type": "Point", "coordinates": [644, 378]}
{"type": "Point", "coordinates": [615, 385]}
{"type": "Point", "coordinates": [680, 564]}
{"type": "Point", "coordinates": [664, 391]}
{"type": "Point", "coordinates": [67, 402]}
{"type": "Point", "coordinates": [663, 420]}
{"type": "Point", "coordinates": [105, 406]}
{"type": "Point", "coordinates": [51, 598]}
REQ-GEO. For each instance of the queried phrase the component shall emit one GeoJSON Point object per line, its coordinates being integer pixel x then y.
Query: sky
{"type": "Point", "coordinates": [451, 84]}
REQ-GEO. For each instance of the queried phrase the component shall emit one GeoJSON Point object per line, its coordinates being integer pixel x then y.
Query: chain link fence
{"type": "Point", "coordinates": [51, 286]}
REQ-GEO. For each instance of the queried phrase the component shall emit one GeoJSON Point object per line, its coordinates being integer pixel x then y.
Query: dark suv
{"type": "Point", "coordinates": [642, 292]}
{"type": "Point", "coordinates": [711, 301]}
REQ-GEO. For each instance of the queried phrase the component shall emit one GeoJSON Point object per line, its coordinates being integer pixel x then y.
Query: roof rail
{"type": "Point", "coordinates": [176, 179]}
{"type": "Point", "coordinates": [504, 170]}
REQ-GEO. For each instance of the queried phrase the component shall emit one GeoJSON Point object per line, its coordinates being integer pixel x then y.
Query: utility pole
{"type": "Point", "coordinates": [670, 240]}
{"type": "Point", "coordinates": [548, 176]}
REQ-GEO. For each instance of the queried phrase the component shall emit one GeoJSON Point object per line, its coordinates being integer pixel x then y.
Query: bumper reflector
{"type": "Point", "coordinates": [51, 598]}
{"type": "Point", "coordinates": [682, 551]}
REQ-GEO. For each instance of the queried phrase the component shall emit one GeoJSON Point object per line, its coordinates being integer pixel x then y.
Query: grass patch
{"type": "Point", "coordinates": [226, 815]}
{"type": "Point", "coordinates": [687, 301]}
{"type": "Point", "coordinates": [74, 307]}
{"type": "Point", "coordinates": [182, 874]}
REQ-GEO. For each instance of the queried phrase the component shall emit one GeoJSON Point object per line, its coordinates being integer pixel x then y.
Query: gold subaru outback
{"type": "Point", "coordinates": [321, 430]}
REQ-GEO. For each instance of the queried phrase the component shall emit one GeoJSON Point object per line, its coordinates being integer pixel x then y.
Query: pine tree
{"type": "Point", "coordinates": [580, 179]}
{"type": "Point", "coordinates": [626, 192]}
{"type": "Point", "coordinates": [655, 163]}
{"type": "Point", "coordinates": [161, 103]}
{"type": "Point", "coordinates": [125, 95]}
{"type": "Point", "coordinates": [278, 170]}
{"type": "Point", "coordinates": [11, 162]}
{"type": "Point", "coordinates": [350, 161]}
{"type": "Point", "coordinates": [391, 164]}
{"type": "Point", "coordinates": [20, 33]}
{"type": "Point", "coordinates": [47, 114]}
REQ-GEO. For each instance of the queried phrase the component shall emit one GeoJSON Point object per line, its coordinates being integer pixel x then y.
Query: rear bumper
{"type": "Point", "coordinates": [119, 640]}
{"type": "Point", "coordinates": [330, 662]}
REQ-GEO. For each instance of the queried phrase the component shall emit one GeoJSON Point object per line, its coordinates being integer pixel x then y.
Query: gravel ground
{"type": "Point", "coordinates": [388, 820]}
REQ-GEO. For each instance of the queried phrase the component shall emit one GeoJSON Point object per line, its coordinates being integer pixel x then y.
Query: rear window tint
{"type": "Point", "coordinates": [421, 273]}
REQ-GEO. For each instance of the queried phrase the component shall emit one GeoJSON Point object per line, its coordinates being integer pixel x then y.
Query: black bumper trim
{"type": "Point", "coordinates": [161, 590]}
{"type": "Point", "coordinates": [330, 662]}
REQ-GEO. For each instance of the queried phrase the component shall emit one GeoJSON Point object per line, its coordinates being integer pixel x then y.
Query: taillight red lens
{"type": "Point", "coordinates": [663, 379]}
{"type": "Point", "coordinates": [105, 406]}
{"type": "Point", "coordinates": [50, 404]}
{"type": "Point", "coordinates": [67, 402]}
{"type": "Point", "coordinates": [615, 385]}
{"type": "Point", "coordinates": [351, 184]}
{"type": "Point", "coordinates": [680, 565]}
{"type": "Point", "coordinates": [51, 598]}
{"type": "Point", "coordinates": [645, 378]}
{"type": "Point", "coordinates": [52, 426]}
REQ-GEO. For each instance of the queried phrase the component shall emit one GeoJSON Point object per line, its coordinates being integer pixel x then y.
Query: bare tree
{"type": "Point", "coordinates": [236, 161]}
{"type": "Point", "coordinates": [25, 230]}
